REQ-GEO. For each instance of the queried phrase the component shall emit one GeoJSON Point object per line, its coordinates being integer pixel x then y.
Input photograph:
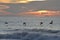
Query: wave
{"type": "Point", "coordinates": [33, 34]}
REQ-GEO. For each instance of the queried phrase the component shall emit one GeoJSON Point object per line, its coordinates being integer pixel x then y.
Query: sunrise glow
{"type": "Point", "coordinates": [18, 1]}
{"type": "Point", "coordinates": [42, 11]}
{"type": "Point", "coordinates": [5, 1]}
{"type": "Point", "coordinates": [24, 1]}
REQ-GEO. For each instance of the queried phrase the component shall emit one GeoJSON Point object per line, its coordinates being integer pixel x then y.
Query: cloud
{"type": "Point", "coordinates": [4, 7]}
{"type": "Point", "coordinates": [5, 1]}
{"type": "Point", "coordinates": [40, 0]}
{"type": "Point", "coordinates": [2, 10]}
{"type": "Point", "coordinates": [17, 1]}
{"type": "Point", "coordinates": [36, 5]}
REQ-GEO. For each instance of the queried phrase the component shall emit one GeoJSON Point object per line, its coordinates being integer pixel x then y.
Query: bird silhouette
{"type": "Point", "coordinates": [51, 22]}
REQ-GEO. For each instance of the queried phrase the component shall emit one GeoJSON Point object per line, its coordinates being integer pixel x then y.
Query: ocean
{"type": "Point", "coordinates": [16, 30]}
{"type": "Point", "coordinates": [31, 22]}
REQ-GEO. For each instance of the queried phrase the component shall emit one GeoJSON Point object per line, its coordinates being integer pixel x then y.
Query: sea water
{"type": "Point", "coordinates": [15, 30]}
{"type": "Point", "coordinates": [31, 22]}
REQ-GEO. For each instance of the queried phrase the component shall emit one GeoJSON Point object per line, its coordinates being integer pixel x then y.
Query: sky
{"type": "Point", "coordinates": [24, 7]}
{"type": "Point", "coordinates": [8, 1]}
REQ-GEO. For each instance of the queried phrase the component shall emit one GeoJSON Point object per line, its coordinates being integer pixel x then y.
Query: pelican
{"type": "Point", "coordinates": [24, 23]}
{"type": "Point", "coordinates": [51, 22]}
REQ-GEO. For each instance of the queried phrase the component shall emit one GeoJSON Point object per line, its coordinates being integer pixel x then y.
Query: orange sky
{"type": "Point", "coordinates": [8, 1]}
{"type": "Point", "coordinates": [18, 1]}
{"type": "Point", "coordinates": [35, 13]}
{"type": "Point", "coordinates": [48, 13]}
{"type": "Point", "coordinates": [5, 1]}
